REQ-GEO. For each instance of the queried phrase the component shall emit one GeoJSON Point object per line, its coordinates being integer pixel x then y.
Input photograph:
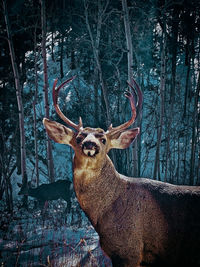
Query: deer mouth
{"type": "Point", "coordinates": [90, 149]}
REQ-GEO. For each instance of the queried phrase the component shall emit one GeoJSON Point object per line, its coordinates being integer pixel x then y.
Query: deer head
{"type": "Point", "coordinates": [24, 189]}
{"type": "Point", "coordinates": [92, 143]}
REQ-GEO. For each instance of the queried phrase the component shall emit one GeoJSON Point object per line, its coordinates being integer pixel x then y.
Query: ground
{"type": "Point", "coordinates": [49, 238]}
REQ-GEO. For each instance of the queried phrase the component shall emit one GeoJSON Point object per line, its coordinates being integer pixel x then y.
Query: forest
{"type": "Point", "coordinates": [105, 43]}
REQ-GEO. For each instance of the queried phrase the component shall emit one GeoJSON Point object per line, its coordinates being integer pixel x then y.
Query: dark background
{"type": "Point", "coordinates": [168, 147]}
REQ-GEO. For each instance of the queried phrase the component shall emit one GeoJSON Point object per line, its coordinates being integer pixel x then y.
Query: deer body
{"type": "Point", "coordinates": [140, 222]}
{"type": "Point", "coordinates": [53, 191]}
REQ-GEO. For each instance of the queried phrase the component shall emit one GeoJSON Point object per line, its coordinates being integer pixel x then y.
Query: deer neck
{"type": "Point", "coordinates": [32, 192]}
{"type": "Point", "coordinates": [96, 186]}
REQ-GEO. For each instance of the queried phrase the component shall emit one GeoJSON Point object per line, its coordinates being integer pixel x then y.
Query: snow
{"type": "Point", "coordinates": [36, 239]}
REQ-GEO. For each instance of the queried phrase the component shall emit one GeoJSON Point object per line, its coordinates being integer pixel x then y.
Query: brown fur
{"type": "Point", "coordinates": [140, 222]}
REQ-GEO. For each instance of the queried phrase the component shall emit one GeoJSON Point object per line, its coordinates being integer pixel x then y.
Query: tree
{"type": "Point", "coordinates": [195, 123]}
{"type": "Point", "coordinates": [129, 46]}
{"type": "Point", "coordinates": [156, 172]}
{"type": "Point", "coordinates": [19, 100]}
{"type": "Point", "coordinates": [95, 42]}
{"type": "Point", "coordinates": [45, 90]}
{"type": "Point", "coordinates": [36, 55]}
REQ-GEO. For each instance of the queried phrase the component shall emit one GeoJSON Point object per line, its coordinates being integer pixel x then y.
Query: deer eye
{"type": "Point", "coordinates": [103, 141]}
{"type": "Point", "coordinates": [78, 140]}
{"type": "Point", "coordinates": [83, 135]}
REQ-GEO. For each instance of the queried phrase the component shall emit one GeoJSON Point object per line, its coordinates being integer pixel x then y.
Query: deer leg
{"type": "Point", "coordinates": [41, 204]}
{"type": "Point", "coordinates": [69, 204]}
{"type": "Point", "coordinates": [35, 204]}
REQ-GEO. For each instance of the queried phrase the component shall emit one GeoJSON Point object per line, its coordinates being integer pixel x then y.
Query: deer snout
{"type": "Point", "coordinates": [90, 148]}
{"type": "Point", "coordinates": [89, 145]}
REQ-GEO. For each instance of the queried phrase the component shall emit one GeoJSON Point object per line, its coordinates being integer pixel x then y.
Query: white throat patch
{"type": "Point", "coordinates": [89, 152]}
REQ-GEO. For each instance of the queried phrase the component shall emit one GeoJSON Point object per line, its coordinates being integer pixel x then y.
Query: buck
{"type": "Point", "coordinates": [140, 222]}
{"type": "Point", "coordinates": [53, 191]}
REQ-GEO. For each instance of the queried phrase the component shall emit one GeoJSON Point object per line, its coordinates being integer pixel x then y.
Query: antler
{"type": "Point", "coordinates": [129, 95]}
{"type": "Point", "coordinates": [59, 112]}
{"type": "Point", "coordinates": [139, 94]}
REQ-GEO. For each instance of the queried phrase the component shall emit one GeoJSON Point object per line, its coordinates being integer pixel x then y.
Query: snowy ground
{"type": "Point", "coordinates": [28, 238]}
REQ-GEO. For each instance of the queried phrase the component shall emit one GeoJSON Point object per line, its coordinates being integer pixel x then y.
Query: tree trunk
{"type": "Point", "coordinates": [156, 172]}
{"type": "Point", "coordinates": [6, 186]}
{"type": "Point", "coordinates": [61, 56]}
{"type": "Point", "coordinates": [95, 47]}
{"type": "Point", "coordinates": [19, 100]}
{"type": "Point", "coordinates": [194, 132]}
{"type": "Point", "coordinates": [49, 145]}
{"type": "Point", "coordinates": [34, 111]}
{"type": "Point", "coordinates": [72, 63]}
{"type": "Point", "coordinates": [172, 94]}
{"type": "Point", "coordinates": [186, 90]}
{"type": "Point", "coordinates": [129, 46]}
{"type": "Point", "coordinates": [96, 98]}
{"type": "Point", "coordinates": [178, 162]}
{"type": "Point", "coordinates": [52, 46]}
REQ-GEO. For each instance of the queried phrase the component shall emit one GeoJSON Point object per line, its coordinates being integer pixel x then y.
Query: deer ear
{"type": "Point", "coordinates": [124, 139]}
{"type": "Point", "coordinates": [58, 132]}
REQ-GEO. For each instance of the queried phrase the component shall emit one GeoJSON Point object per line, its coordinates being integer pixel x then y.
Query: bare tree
{"type": "Point", "coordinates": [156, 172]}
{"type": "Point", "coordinates": [49, 145]}
{"type": "Point", "coordinates": [129, 46]}
{"type": "Point", "coordinates": [194, 131]}
{"type": "Point", "coordinates": [7, 167]}
{"type": "Point", "coordinates": [95, 42]}
{"type": "Point", "coordinates": [19, 99]}
{"type": "Point", "coordinates": [61, 43]}
{"type": "Point", "coordinates": [36, 55]}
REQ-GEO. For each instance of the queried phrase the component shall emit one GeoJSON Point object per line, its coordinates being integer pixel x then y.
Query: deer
{"type": "Point", "coordinates": [52, 191]}
{"type": "Point", "coordinates": [140, 221]}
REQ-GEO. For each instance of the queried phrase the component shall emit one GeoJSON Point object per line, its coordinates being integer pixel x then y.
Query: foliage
{"type": "Point", "coordinates": [70, 50]}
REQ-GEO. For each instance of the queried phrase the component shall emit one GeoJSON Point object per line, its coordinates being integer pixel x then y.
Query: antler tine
{"type": "Point", "coordinates": [113, 130]}
{"type": "Point", "coordinates": [59, 112]}
{"type": "Point", "coordinates": [139, 94]}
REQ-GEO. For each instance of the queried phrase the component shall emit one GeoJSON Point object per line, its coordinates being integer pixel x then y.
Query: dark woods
{"type": "Point", "coordinates": [104, 43]}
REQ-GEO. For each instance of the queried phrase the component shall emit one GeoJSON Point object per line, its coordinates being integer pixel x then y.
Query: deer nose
{"type": "Point", "coordinates": [89, 145]}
